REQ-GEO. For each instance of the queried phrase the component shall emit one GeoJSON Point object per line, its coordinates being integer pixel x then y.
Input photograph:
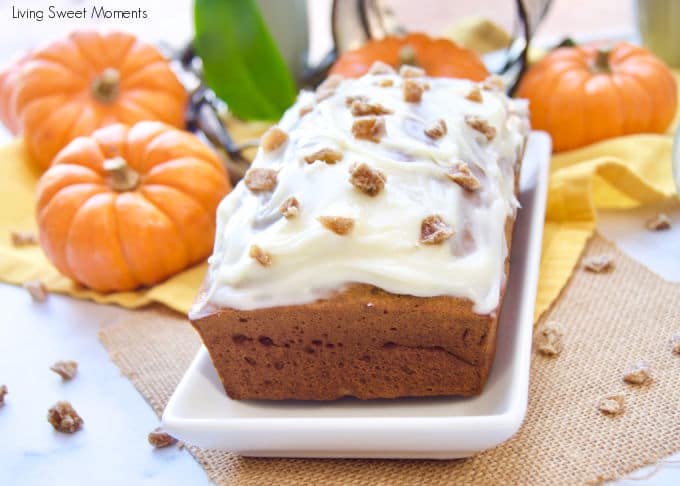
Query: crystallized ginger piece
{"type": "Point", "coordinates": [611, 404]}
{"type": "Point", "coordinates": [364, 108]}
{"type": "Point", "coordinates": [370, 128]}
{"type": "Point", "coordinates": [66, 369]}
{"type": "Point", "coordinates": [23, 238]}
{"type": "Point", "coordinates": [637, 374]}
{"type": "Point", "coordinates": [659, 222]}
{"type": "Point", "coordinates": [159, 439]}
{"type": "Point", "coordinates": [408, 71]}
{"type": "Point", "coordinates": [290, 207]}
{"type": "Point", "coordinates": [475, 95]}
{"type": "Point", "coordinates": [434, 230]}
{"type": "Point", "coordinates": [64, 418]}
{"type": "Point", "coordinates": [549, 340]}
{"type": "Point", "coordinates": [273, 139]}
{"type": "Point", "coordinates": [337, 224]}
{"type": "Point", "coordinates": [437, 130]}
{"type": "Point", "coordinates": [462, 176]}
{"type": "Point", "coordinates": [481, 125]}
{"type": "Point", "coordinates": [368, 180]}
{"type": "Point", "coordinates": [260, 256]}
{"type": "Point", "coordinates": [260, 180]}
{"type": "Point", "coordinates": [413, 91]}
{"type": "Point", "coordinates": [328, 155]}
{"type": "Point", "coordinates": [598, 263]}
{"type": "Point", "coordinates": [37, 290]}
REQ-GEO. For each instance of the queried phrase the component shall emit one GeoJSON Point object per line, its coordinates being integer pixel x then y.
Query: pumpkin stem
{"type": "Point", "coordinates": [121, 176]}
{"type": "Point", "coordinates": [601, 64]}
{"type": "Point", "coordinates": [106, 86]}
{"type": "Point", "coordinates": [407, 55]}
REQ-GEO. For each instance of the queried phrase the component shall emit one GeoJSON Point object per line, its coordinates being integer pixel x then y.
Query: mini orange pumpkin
{"type": "Point", "coordinates": [88, 80]}
{"type": "Point", "coordinates": [439, 57]}
{"type": "Point", "coordinates": [9, 77]}
{"type": "Point", "coordinates": [130, 206]}
{"type": "Point", "coordinates": [584, 94]}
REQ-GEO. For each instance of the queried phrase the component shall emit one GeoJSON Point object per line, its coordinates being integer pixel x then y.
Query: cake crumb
{"type": "Point", "coordinates": [637, 374]}
{"type": "Point", "coordinates": [380, 67]}
{"type": "Point", "coordinates": [659, 222]}
{"type": "Point", "coordinates": [370, 128]}
{"type": "Point", "coordinates": [260, 180]}
{"type": "Point", "coordinates": [385, 83]}
{"type": "Point", "coordinates": [37, 290]}
{"type": "Point", "coordinates": [408, 71]}
{"type": "Point", "coordinates": [493, 83]}
{"type": "Point", "coordinates": [64, 418]}
{"type": "Point", "coordinates": [328, 155]}
{"type": "Point", "coordinates": [368, 180]}
{"type": "Point", "coordinates": [549, 339]}
{"type": "Point", "coordinates": [675, 343]}
{"type": "Point", "coordinates": [437, 130]}
{"type": "Point", "coordinates": [599, 263]}
{"type": "Point", "coordinates": [273, 139]}
{"type": "Point", "coordinates": [3, 392]}
{"type": "Point", "coordinates": [290, 207]}
{"type": "Point", "coordinates": [434, 230]}
{"type": "Point", "coordinates": [482, 126]}
{"type": "Point", "coordinates": [462, 176]}
{"type": "Point", "coordinates": [159, 439]}
{"type": "Point", "coordinates": [66, 369]}
{"type": "Point", "coordinates": [262, 257]}
{"type": "Point", "coordinates": [328, 87]}
{"type": "Point", "coordinates": [611, 404]}
{"type": "Point", "coordinates": [23, 238]}
{"type": "Point", "coordinates": [364, 108]}
{"type": "Point", "coordinates": [475, 95]}
{"type": "Point", "coordinates": [413, 91]}
{"type": "Point", "coordinates": [337, 224]}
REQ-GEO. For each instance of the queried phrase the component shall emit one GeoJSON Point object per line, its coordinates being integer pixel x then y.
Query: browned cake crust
{"type": "Point", "coordinates": [363, 342]}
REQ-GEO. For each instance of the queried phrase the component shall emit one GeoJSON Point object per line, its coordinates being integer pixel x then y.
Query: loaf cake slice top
{"type": "Point", "coordinates": [397, 180]}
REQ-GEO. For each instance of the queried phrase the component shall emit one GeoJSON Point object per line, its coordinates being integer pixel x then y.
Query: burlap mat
{"type": "Point", "coordinates": [611, 320]}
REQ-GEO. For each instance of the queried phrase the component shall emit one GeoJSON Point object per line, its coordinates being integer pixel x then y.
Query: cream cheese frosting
{"type": "Point", "coordinates": [303, 260]}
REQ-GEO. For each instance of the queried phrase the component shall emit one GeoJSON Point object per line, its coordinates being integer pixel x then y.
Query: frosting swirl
{"type": "Point", "coordinates": [449, 155]}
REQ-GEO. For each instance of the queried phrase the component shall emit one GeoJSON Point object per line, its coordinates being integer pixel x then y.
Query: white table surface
{"type": "Point", "coordinates": [112, 447]}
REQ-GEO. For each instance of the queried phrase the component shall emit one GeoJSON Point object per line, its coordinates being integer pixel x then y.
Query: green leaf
{"type": "Point", "coordinates": [241, 62]}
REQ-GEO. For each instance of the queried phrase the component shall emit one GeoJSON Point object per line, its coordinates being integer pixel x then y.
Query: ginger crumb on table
{"type": "Point", "coordinates": [37, 290]}
{"type": "Point", "coordinates": [23, 238]}
{"type": "Point", "coordinates": [637, 374]}
{"type": "Point", "coordinates": [659, 222]}
{"type": "Point", "coordinates": [64, 418]}
{"type": "Point", "coordinates": [3, 392]}
{"type": "Point", "coordinates": [675, 343]}
{"type": "Point", "coordinates": [598, 263]}
{"type": "Point", "coordinates": [611, 405]}
{"type": "Point", "coordinates": [159, 439]}
{"type": "Point", "coordinates": [66, 369]}
{"type": "Point", "coordinates": [549, 340]}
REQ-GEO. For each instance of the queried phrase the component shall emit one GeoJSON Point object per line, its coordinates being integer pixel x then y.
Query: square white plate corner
{"type": "Point", "coordinates": [201, 414]}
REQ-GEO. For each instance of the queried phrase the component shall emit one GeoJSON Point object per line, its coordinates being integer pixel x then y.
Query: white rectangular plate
{"type": "Point", "coordinates": [201, 414]}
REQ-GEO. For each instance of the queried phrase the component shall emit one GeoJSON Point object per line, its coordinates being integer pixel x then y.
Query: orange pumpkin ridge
{"type": "Point", "coordinates": [584, 94]}
{"type": "Point", "coordinates": [130, 206]}
{"type": "Point", "coordinates": [88, 80]}
{"type": "Point", "coordinates": [439, 57]}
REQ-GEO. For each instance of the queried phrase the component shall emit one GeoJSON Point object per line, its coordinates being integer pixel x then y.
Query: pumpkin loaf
{"type": "Point", "coordinates": [365, 252]}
